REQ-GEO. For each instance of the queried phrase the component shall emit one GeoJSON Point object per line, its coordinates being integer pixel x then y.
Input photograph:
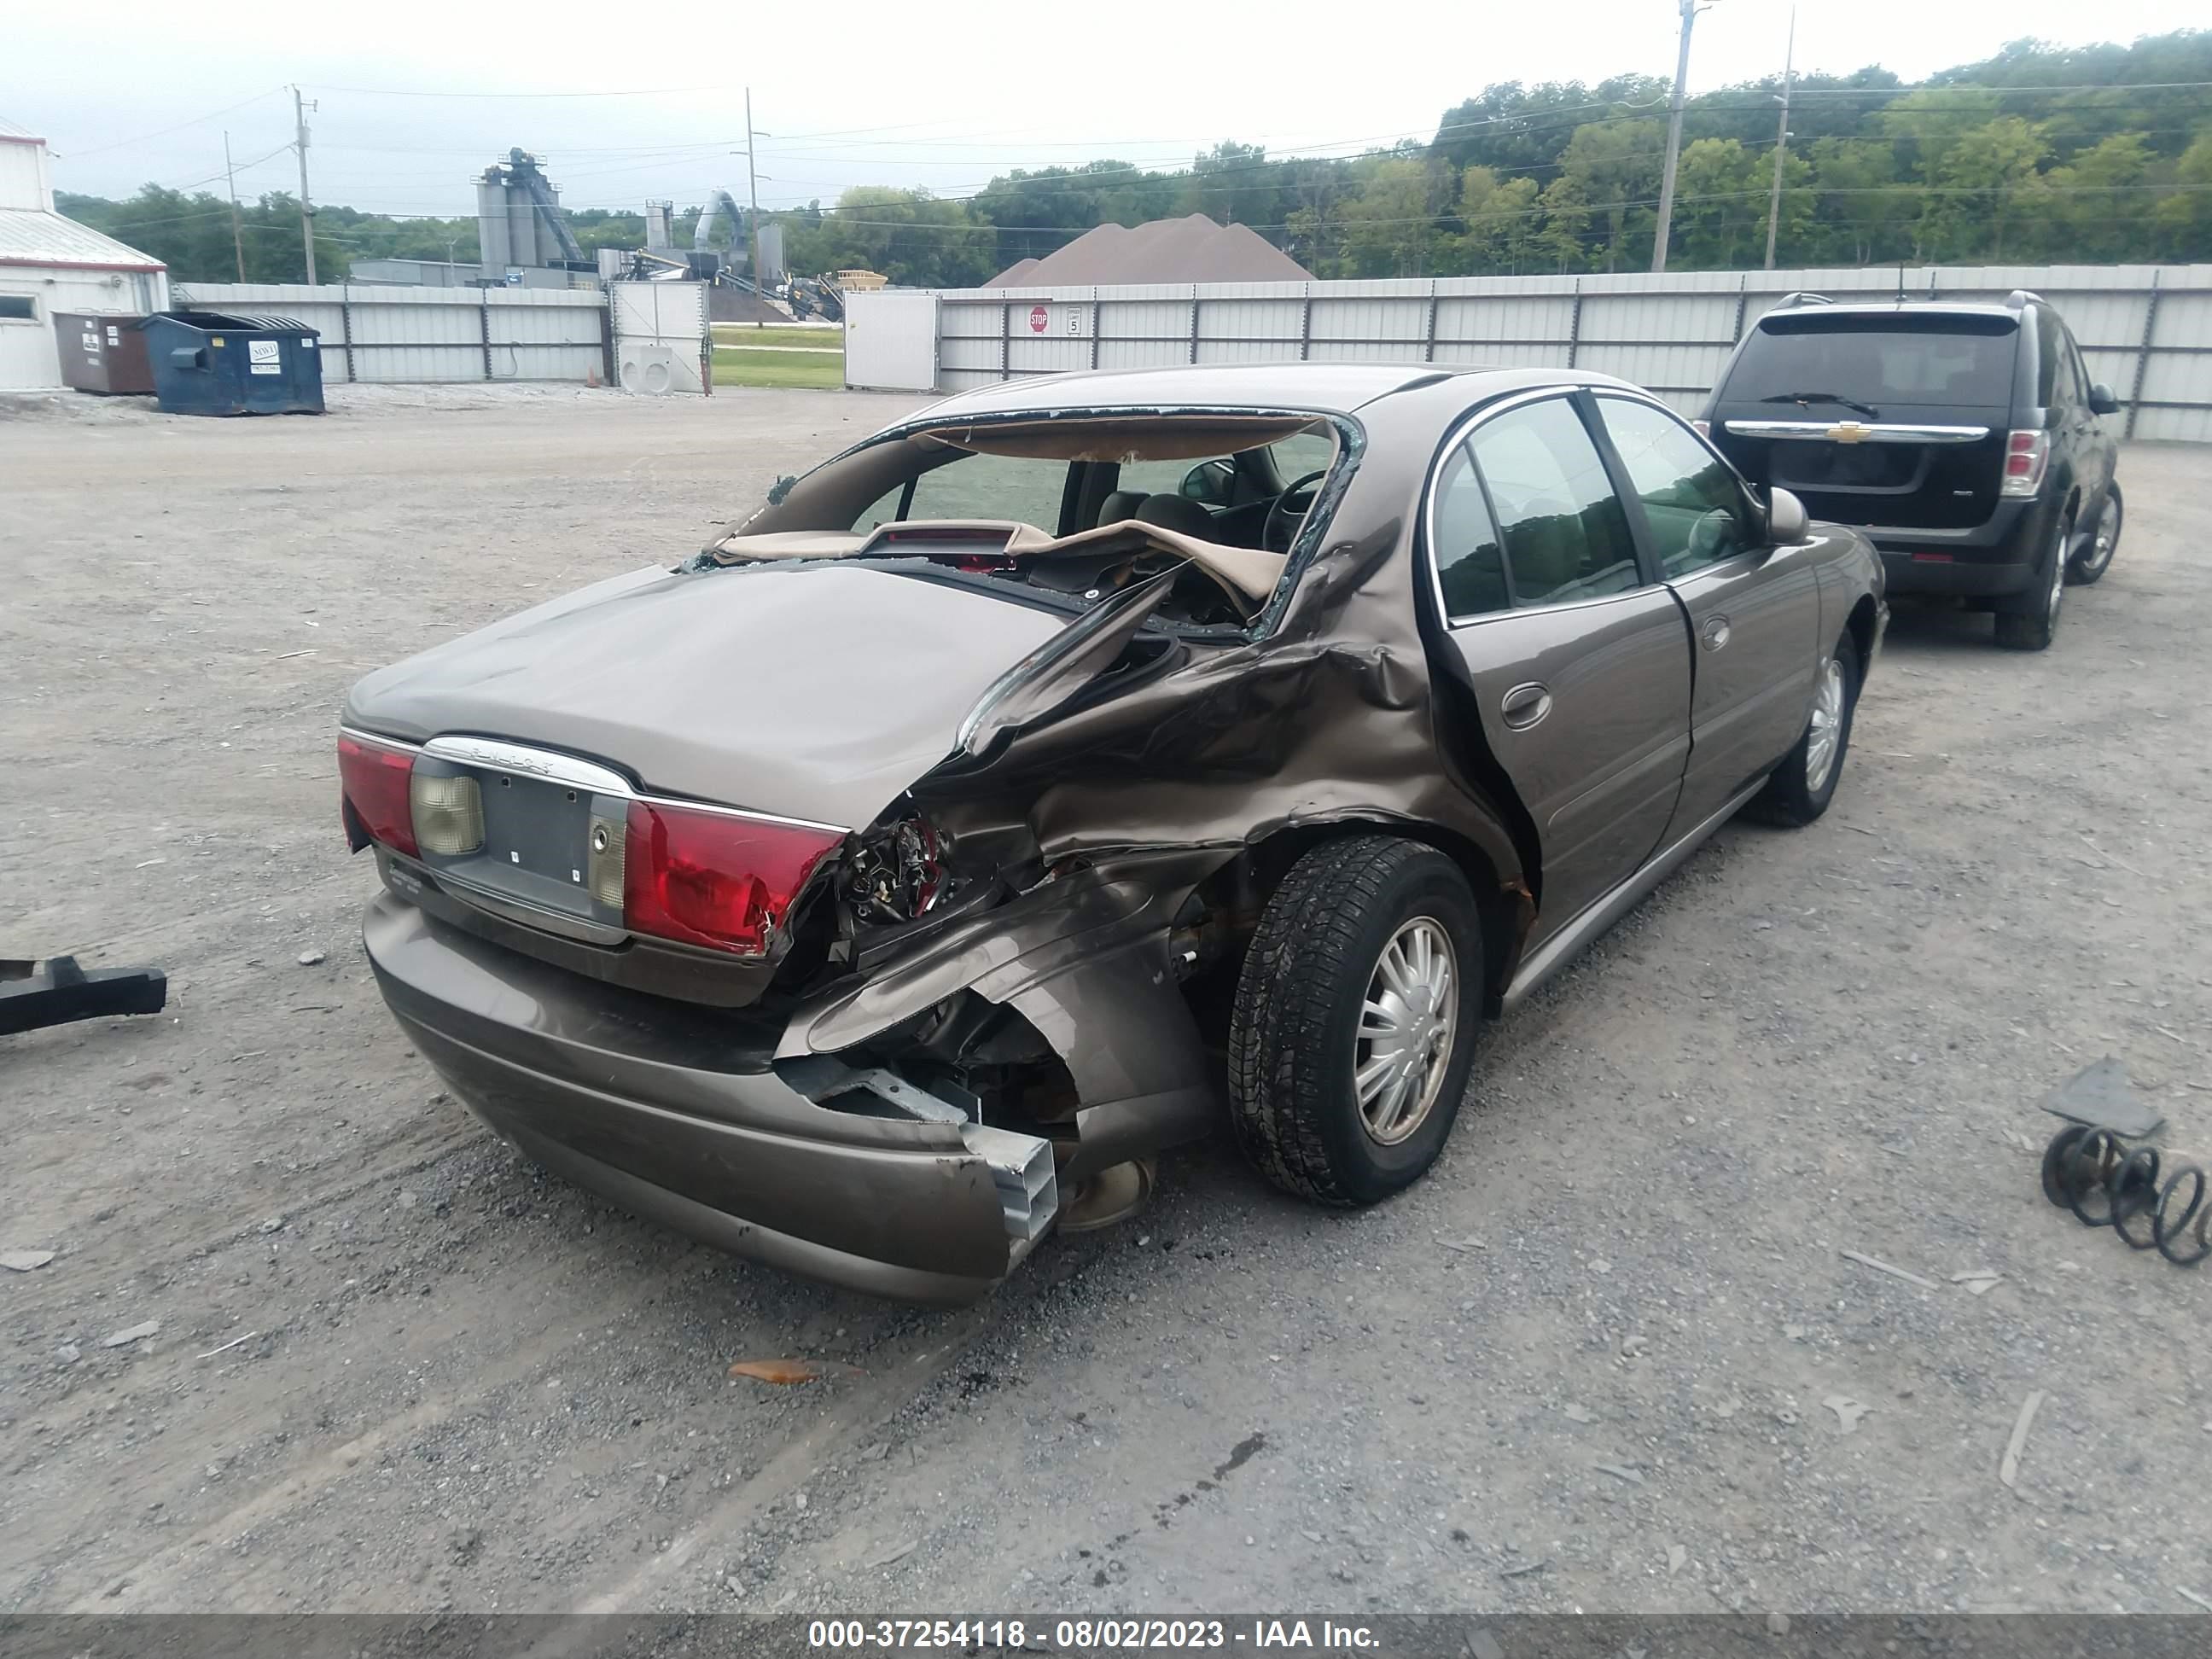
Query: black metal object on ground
{"type": "Point", "coordinates": [2106, 1183]}
{"type": "Point", "coordinates": [2098, 1096]}
{"type": "Point", "coordinates": [31, 997]}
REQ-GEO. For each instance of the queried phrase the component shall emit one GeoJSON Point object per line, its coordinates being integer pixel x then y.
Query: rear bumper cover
{"type": "Point", "coordinates": [633, 1103]}
{"type": "Point", "coordinates": [1996, 556]}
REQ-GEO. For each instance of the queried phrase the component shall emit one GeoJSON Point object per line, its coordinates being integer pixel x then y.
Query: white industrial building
{"type": "Point", "coordinates": [49, 263]}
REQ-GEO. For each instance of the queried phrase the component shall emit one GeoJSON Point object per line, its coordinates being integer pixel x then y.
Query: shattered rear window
{"type": "Point", "coordinates": [1074, 508]}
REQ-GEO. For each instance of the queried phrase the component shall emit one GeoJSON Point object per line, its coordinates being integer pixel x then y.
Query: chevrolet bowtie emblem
{"type": "Point", "coordinates": [1850, 432]}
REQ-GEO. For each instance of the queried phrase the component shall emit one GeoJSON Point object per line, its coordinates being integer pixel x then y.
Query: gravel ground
{"type": "Point", "coordinates": [1609, 1357]}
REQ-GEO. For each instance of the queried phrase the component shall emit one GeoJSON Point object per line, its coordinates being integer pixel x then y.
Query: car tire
{"type": "Point", "coordinates": [1320, 998]}
{"type": "Point", "coordinates": [1800, 789]}
{"type": "Point", "coordinates": [2032, 623]}
{"type": "Point", "coordinates": [2096, 559]}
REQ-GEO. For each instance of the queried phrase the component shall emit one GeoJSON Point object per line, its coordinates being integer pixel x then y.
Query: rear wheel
{"type": "Point", "coordinates": [2096, 557]}
{"type": "Point", "coordinates": [2031, 622]}
{"type": "Point", "coordinates": [1803, 785]}
{"type": "Point", "coordinates": [1353, 1030]}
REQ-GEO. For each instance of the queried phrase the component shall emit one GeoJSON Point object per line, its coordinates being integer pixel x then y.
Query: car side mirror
{"type": "Point", "coordinates": [1211, 484]}
{"type": "Point", "coordinates": [1786, 519]}
{"type": "Point", "coordinates": [2101, 400]}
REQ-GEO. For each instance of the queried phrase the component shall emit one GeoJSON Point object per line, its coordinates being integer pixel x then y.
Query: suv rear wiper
{"type": "Point", "coordinates": [1856, 407]}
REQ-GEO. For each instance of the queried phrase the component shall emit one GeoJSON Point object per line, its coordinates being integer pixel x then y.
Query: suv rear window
{"type": "Point", "coordinates": [1878, 360]}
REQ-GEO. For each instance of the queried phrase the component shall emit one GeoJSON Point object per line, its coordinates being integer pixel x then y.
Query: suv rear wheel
{"type": "Point", "coordinates": [1354, 1027]}
{"type": "Point", "coordinates": [2096, 557]}
{"type": "Point", "coordinates": [2032, 619]}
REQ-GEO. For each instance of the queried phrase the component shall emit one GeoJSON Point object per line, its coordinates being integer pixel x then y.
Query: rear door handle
{"type": "Point", "coordinates": [1714, 633]}
{"type": "Point", "coordinates": [1524, 705]}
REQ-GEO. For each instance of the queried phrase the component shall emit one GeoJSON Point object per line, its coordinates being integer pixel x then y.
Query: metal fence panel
{"type": "Point", "coordinates": [385, 333]}
{"type": "Point", "coordinates": [2145, 331]}
{"type": "Point", "coordinates": [892, 346]}
{"type": "Point", "coordinates": [662, 340]}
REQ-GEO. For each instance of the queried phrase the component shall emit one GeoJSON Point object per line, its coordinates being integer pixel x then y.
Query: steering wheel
{"type": "Point", "coordinates": [1280, 513]}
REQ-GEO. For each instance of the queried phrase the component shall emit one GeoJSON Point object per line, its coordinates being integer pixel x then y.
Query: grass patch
{"type": "Point", "coordinates": [736, 366]}
{"type": "Point", "coordinates": [744, 334]}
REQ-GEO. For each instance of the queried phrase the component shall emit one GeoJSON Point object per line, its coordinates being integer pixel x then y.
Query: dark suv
{"type": "Point", "coordinates": [1965, 440]}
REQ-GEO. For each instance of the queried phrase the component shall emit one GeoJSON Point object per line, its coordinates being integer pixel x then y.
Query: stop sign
{"type": "Point", "coordinates": [1038, 317]}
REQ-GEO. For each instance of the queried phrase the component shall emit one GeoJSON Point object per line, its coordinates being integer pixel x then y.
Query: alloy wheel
{"type": "Point", "coordinates": [2108, 532]}
{"type": "Point", "coordinates": [1825, 736]}
{"type": "Point", "coordinates": [1407, 1024]}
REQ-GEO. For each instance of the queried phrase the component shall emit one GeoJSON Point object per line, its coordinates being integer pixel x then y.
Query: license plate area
{"type": "Point", "coordinates": [537, 843]}
{"type": "Point", "coordinates": [1873, 469]}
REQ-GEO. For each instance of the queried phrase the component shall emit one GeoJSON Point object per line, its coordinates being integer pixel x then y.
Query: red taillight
{"type": "Point", "coordinates": [372, 794]}
{"type": "Point", "coordinates": [713, 879]}
{"type": "Point", "coordinates": [2026, 453]}
{"type": "Point", "coordinates": [1704, 427]}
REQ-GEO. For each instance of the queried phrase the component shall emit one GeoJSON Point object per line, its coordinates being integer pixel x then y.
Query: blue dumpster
{"type": "Point", "coordinates": [218, 362]}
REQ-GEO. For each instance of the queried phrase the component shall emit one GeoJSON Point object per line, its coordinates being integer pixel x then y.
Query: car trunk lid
{"type": "Point", "coordinates": [814, 692]}
{"type": "Point", "coordinates": [647, 777]}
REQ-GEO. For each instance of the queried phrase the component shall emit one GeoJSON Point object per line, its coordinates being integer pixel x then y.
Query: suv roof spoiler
{"type": "Point", "coordinates": [2020, 298]}
{"type": "Point", "coordinates": [1801, 297]}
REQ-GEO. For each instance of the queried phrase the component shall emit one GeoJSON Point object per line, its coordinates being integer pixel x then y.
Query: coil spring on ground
{"type": "Point", "coordinates": [2107, 1184]}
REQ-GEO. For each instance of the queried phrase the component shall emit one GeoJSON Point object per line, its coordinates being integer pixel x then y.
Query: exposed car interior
{"type": "Point", "coordinates": [1077, 508]}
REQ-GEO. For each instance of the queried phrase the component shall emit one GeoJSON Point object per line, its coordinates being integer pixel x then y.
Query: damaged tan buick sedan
{"type": "Point", "coordinates": [1076, 763]}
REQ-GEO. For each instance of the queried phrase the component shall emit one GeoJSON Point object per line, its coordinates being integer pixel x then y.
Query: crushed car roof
{"type": "Point", "coordinates": [1326, 388]}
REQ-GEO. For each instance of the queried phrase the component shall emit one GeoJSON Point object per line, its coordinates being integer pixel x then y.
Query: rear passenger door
{"type": "Point", "coordinates": [1753, 610]}
{"type": "Point", "coordinates": [2077, 433]}
{"type": "Point", "coordinates": [1579, 660]}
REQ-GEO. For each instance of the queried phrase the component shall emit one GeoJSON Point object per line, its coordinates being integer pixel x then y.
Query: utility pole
{"type": "Point", "coordinates": [237, 236]}
{"type": "Point", "coordinates": [1781, 140]}
{"type": "Point", "coordinates": [306, 209]}
{"type": "Point", "coordinates": [752, 219]}
{"type": "Point", "coordinates": [1673, 138]}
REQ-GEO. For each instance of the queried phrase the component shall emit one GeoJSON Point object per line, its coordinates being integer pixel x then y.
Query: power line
{"type": "Point", "coordinates": [592, 92]}
{"type": "Point", "coordinates": [163, 132]}
{"type": "Point", "coordinates": [243, 167]}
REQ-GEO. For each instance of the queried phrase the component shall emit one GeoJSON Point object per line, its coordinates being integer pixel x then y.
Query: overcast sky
{"type": "Point", "coordinates": [868, 91]}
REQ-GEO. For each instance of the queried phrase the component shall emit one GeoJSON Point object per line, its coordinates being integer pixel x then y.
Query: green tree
{"type": "Point", "coordinates": [1562, 237]}
{"type": "Point", "coordinates": [1235, 184]}
{"type": "Point", "coordinates": [1985, 183]}
{"type": "Point", "coordinates": [2184, 219]}
{"type": "Point", "coordinates": [1389, 228]}
{"type": "Point", "coordinates": [912, 237]}
{"type": "Point", "coordinates": [1719, 217]}
{"type": "Point", "coordinates": [1501, 218]}
{"type": "Point", "coordinates": [2096, 212]}
{"type": "Point", "coordinates": [1860, 211]}
{"type": "Point", "coordinates": [1615, 170]}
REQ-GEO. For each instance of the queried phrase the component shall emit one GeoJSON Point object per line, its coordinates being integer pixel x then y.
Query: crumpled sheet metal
{"type": "Point", "coordinates": [1332, 716]}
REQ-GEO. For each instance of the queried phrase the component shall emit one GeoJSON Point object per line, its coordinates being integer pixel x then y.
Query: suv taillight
{"type": "Point", "coordinates": [2026, 453]}
{"type": "Point", "coordinates": [373, 797]}
{"type": "Point", "coordinates": [714, 879]}
{"type": "Point", "coordinates": [1704, 429]}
